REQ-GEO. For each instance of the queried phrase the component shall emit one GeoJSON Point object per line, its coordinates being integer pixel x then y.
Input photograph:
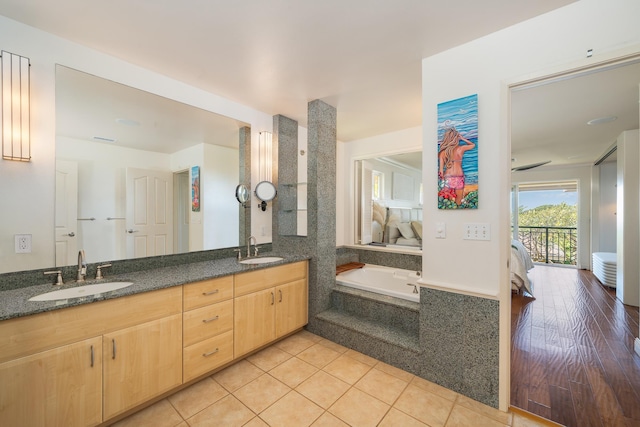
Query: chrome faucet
{"type": "Point", "coordinates": [255, 247]}
{"type": "Point", "coordinates": [82, 267]}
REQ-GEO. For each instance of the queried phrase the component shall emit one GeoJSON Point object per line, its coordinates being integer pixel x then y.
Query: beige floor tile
{"type": "Point", "coordinates": [293, 372]}
{"type": "Point", "coordinates": [424, 406]}
{"type": "Point", "coordinates": [463, 417]}
{"type": "Point", "coordinates": [293, 410]}
{"type": "Point", "coordinates": [160, 414]}
{"type": "Point", "coordinates": [333, 346]}
{"type": "Point", "coordinates": [195, 398]}
{"type": "Point", "coordinates": [362, 357]}
{"type": "Point", "coordinates": [328, 420]}
{"type": "Point", "coordinates": [237, 375]}
{"type": "Point", "coordinates": [269, 358]}
{"type": "Point", "coordinates": [357, 408]}
{"type": "Point", "coordinates": [347, 369]}
{"type": "Point", "coordinates": [309, 335]}
{"type": "Point", "coordinates": [503, 417]}
{"type": "Point", "coordinates": [295, 344]}
{"type": "Point", "coordinates": [381, 385]}
{"type": "Point", "coordinates": [434, 388]}
{"type": "Point", "coordinates": [261, 393]}
{"type": "Point", "coordinates": [227, 412]}
{"type": "Point", "coordinates": [318, 355]}
{"type": "Point", "coordinates": [323, 389]}
{"type": "Point", "coordinates": [256, 422]}
{"type": "Point", "coordinates": [396, 372]}
{"type": "Point", "coordinates": [395, 418]}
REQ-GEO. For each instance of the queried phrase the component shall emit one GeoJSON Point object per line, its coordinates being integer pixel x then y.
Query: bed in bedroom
{"type": "Point", "coordinates": [521, 263]}
{"type": "Point", "coordinates": [397, 226]}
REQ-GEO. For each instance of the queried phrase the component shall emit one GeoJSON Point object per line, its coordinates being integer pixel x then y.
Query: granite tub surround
{"type": "Point", "coordinates": [14, 302]}
{"type": "Point", "coordinates": [379, 257]}
{"type": "Point", "coordinates": [459, 337]}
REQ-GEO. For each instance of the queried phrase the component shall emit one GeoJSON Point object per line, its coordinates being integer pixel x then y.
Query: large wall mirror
{"type": "Point", "coordinates": [388, 209]}
{"type": "Point", "coordinates": [141, 175]}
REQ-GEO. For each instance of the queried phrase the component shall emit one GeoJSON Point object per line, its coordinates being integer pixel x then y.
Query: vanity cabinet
{"type": "Point", "coordinates": [269, 306]}
{"type": "Point", "coordinates": [58, 387]}
{"type": "Point", "coordinates": [46, 377]}
{"type": "Point", "coordinates": [141, 362]}
{"type": "Point", "coordinates": [207, 326]}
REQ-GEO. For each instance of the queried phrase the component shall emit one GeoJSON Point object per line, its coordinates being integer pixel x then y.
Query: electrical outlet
{"type": "Point", "coordinates": [23, 243]}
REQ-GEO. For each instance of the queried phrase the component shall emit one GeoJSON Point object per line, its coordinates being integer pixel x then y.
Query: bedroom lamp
{"type": "Point", "coordinates": [265, 190]}
{"type": "Point", "coordinates": [15, 94]}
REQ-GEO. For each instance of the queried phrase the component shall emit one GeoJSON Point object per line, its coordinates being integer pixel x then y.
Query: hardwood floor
{"type": "Point", "coordinates": [572, 358]}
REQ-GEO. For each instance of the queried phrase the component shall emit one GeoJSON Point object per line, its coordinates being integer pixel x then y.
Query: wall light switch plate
{"type": "Point", "coordinates": [441, 230]}
{"type": "Point", "coordinates": [477, 231]}
{"type": "Point", "coordinates": [23, 243]}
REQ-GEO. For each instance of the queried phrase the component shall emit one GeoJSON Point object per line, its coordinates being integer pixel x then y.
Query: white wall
{"type": "Point", "coordinates": [582, 174]}
{"type": "Point", "coordinates": [552, 42]}
{"type": "Point", "coordinates": [607, 208]}
{"type": "Point", "coordinates": [628, 218]}
{"type": "Point", "coordinates": [27, 189]}
{"type": "Point", "coordinates": [403, 141]}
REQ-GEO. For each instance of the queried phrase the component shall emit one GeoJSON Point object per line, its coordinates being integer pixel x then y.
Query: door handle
{"type": "Point", "coordinates": [131, 231]}
{"type": "Point", "coordinates": [113, 343]}
{"type": "Point", "coordinates": [72, 234]}
{"type": "Point", "coordinates": [280, 290]}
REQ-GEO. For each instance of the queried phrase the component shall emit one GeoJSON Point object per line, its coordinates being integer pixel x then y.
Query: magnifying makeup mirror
{"type": "Point", "coordinates": [265, 191]}
{"type": "Point", "coordinates": [242, 194]}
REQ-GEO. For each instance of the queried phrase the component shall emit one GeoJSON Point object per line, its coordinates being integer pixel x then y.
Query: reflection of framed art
{"type": "Point", "coordinates": [402, 187]}
{"type": "Point", "coordinates": [458, 153]}
{"type": "Point", "coordinates": [195, 189]}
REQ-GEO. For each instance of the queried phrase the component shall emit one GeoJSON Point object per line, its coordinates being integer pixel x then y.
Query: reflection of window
{"type": "Point", "coordinates": [378, 185]}
{"type": "Point", "coordinates": [420, 198]}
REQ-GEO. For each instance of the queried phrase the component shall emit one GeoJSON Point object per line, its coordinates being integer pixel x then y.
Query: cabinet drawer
{"type": "Point", "coordinates": [206, 322]}
{"type": "Point", "coordinates": [207, 292]}
{"type": "Point", "coordinates": [207, 355]}
{"type": "Point", "coordinates": [254, 281]}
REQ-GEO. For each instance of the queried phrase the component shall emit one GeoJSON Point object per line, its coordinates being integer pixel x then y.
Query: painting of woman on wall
{"type": "Point", "coordinates": [458, 153]}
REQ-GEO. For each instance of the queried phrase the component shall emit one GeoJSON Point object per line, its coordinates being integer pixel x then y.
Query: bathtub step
{"type": "Point", "coordinates": [372, 329]}
{"type": "Point", "coordinates": [394, 313]}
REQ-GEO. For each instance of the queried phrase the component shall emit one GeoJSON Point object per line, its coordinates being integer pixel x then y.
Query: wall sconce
{"type": "Point", "coordinates": [265, 190]}
{"type": "Point", "coordinates": [15, 93]}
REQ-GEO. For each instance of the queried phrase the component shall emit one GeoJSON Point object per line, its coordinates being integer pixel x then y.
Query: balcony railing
{"type": "Point", "coordinates": [551, 245]}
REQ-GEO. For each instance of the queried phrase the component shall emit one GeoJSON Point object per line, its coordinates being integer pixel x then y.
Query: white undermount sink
{"type": "Point", "coordinates": [81, 291]}
{"type": "Point", "coordinates": [262, 260]}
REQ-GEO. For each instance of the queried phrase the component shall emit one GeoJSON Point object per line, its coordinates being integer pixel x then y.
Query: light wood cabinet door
{"type": "Point", "coordinates": [291, 307]}
{"type": "Point", "coordinates": [254, 321]}
{"type": "Point", "coordinates": [141, 362]}
{"type": "Point", "coordinates": [59, 387]}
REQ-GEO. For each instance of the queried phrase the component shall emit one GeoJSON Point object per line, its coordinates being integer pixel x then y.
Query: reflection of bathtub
{"type": "Point", "coordinates": [383, 280]}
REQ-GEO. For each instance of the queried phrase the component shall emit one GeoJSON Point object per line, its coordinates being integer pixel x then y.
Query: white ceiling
{"type": "Point", "coordinates": [361, 56]}
{"type": "Point", "coordinates": [549, 121]}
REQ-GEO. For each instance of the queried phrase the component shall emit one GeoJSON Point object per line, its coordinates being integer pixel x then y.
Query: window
{"type": "Point", "coordinates": [377, 185]}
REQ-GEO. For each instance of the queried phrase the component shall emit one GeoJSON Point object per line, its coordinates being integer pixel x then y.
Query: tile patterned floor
{"type": "Point", "coordinates": [306, 380]}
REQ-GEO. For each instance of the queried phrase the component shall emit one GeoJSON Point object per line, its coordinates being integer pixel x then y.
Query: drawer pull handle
{"type": "Point", "coordinates": [210, 353]}
{"type": "Point", "coordinates": [113, 344]}
{"type": "Point", "coordinates": [280, 290]}
{"type": "Point", "coordinates": [273, 298]}
{"type": "Point", "coordinates": [210, 320]}
{"type": "Point", "coordinates": [92, 356]}
{"type": "Point", "coordinates": [211, 292]}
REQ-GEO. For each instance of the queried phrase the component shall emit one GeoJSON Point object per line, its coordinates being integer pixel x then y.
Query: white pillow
{"type": "Point", "coordinates": [406, 230]}
{"type": "Point", "coordinates": [417, 228]}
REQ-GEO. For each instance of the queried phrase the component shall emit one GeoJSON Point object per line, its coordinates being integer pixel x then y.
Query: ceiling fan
{"type": "Point", "coordinates": [529, 166]}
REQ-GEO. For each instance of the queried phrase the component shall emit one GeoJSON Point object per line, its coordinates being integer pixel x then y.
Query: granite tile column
{"type": "Point", "coordinates": [320, 242]}
{"type": "Point", "coordinates": [244, 149]}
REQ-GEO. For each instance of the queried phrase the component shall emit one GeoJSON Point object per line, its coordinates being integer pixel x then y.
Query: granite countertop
{"type": "Point", "coordinates": [15, 302]}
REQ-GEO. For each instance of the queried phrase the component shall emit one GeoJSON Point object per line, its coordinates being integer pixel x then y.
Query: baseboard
{"type": "Point", "coordinates": [636, 346]}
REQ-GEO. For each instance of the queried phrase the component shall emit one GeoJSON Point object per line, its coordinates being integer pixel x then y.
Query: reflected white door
{"type": "Point", "coordinates": [149, 213]}
{"type": "Point", "coordinates": [182, 199]}
{"type": "Point", "coordinates": [366, 202]}
{"type": "Point", "coordinates": [66, 212]}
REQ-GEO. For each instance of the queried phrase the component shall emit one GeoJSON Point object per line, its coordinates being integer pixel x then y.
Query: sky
{"type": "Point", "coordinates": [533, 199]}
